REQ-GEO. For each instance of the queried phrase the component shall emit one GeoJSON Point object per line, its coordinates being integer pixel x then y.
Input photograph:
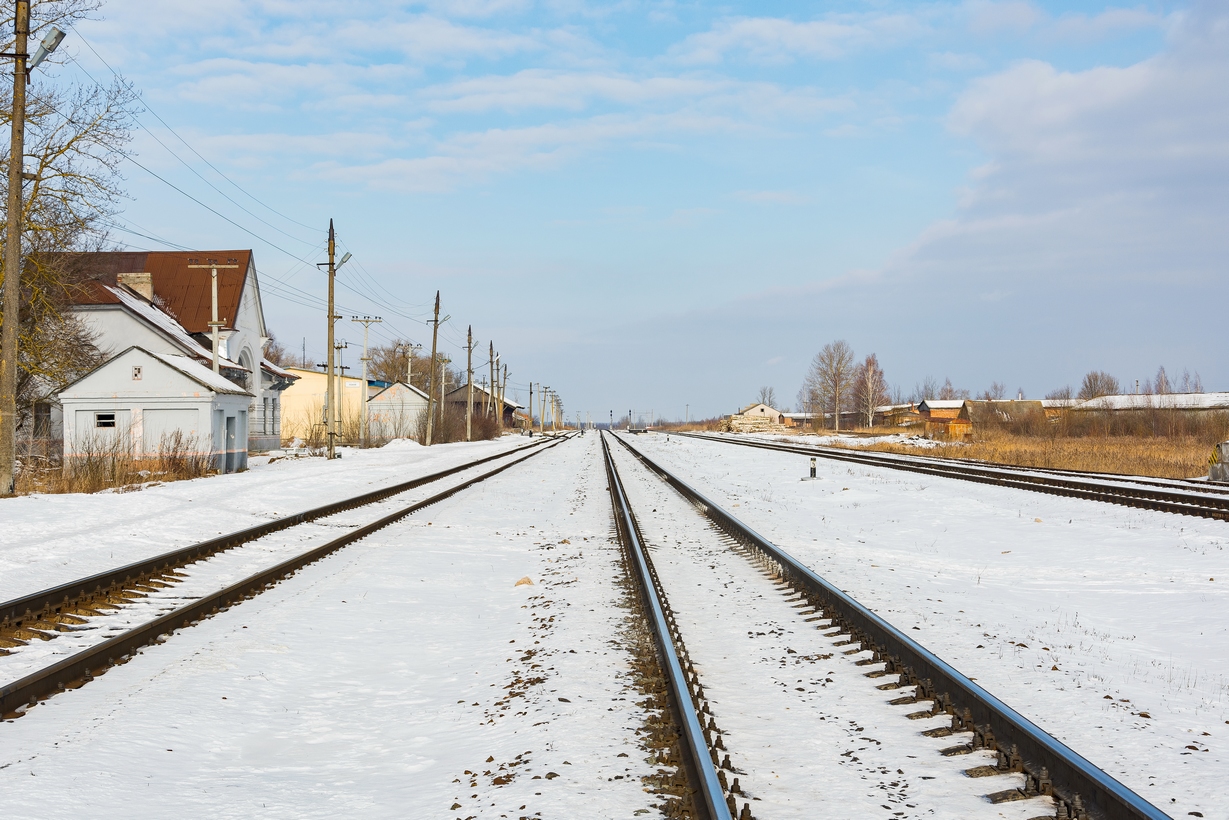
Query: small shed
{"type": "Point", "coordinates": [394, 411]}
{"type": "Point", "coordinates": [138, 400]}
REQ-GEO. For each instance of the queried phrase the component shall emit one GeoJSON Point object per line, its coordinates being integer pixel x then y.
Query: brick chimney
{"type": "Point", "coordinates": [142, 283]}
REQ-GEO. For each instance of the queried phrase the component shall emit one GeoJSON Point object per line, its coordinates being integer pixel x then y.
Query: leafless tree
{"type": "Point", "coordinates": [830, 379]}
{"type": "Point", "coordinates": [870, 389]}
{"type": "Point", "coordinates": [997, 391]}
{"type": "Point", "coordinates": [276, 352]}
{"type": "Point", "coordinates": [1161, 383]}
{"type": "Point", "coordinates": [928, 388]}
{"type": "Point", "coordinates": [1098, 383]}
{"type": "Point", "coordinates": [768, 396]}
{"type": "Point", "coordinates": [947, 392]}
{"type": "Point", "coordinates": [1061, 394]}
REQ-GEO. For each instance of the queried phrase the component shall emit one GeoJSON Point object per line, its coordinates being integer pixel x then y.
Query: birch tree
{"type": "Point", "coordinates": [830, 378]}
{"type": "Point", "coordinates": [870, 389]}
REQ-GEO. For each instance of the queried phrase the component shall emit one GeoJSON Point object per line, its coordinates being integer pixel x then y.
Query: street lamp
{"type": "Point", "coordinates": [11, 310]}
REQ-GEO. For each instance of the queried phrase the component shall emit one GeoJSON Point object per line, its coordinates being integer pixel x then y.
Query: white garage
{"type": "Point", "coordinates": [141, 401]}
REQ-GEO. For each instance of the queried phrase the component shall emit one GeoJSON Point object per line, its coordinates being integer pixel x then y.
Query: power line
{"type": "Point", "coordinates": [150, 109]}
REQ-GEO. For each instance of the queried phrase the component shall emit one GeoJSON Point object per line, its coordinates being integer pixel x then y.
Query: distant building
{"type": "Point", "coordinates": [483, 400]}
{"type": "Point", "coordinates": [393, 411]}
{"type": "Point", "coordinates": [755, 418]}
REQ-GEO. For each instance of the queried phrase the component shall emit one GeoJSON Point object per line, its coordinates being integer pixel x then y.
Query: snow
{"type": "Point", "coordinates": [168, 325]}
{"type": "Point", "coordinates": [1177, 401]}
{"type": "Point", "coordinates": [372, 682]}
{"type": "Point", "coordinates": [199, 373]}
{"type": "Point", "coordinates": [1105, 625]}
{"type": "Point", "coordinates": [810, 734]}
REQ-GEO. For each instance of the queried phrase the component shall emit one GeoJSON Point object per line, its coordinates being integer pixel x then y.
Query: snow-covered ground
{"type": "Point", "coordinates": [809, 733]}
{"type": "Point", "coordinates": [50, 539]}
{"type": "Point", "coordinates": [404, 676]}
{"type": "Point", "coordinates": [1108, 626]}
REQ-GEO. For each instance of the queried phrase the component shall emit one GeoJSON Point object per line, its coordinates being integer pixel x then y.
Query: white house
{"type": "Point", "coordinates": [393, 412]}
{"type": "Point", "coordinates": [162, 301]}
{"type": "Point", "coordinates": [140, 397]}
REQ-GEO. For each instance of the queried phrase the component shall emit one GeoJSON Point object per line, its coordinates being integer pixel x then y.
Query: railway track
{"type": "Point", "coordinates": [84, 606]}
{"type": "Point", "coordinates": [1142, 493]}
{"type": "Point", "coordinates": [966, 729]}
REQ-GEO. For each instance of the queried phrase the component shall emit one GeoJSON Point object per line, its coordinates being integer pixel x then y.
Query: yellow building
{"type": "Point", "coordinates": [304, 401]}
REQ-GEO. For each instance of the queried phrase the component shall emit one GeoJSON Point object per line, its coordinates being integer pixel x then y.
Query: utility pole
{"type": "Point", "coordinates": [331, 399]}
{"type": "Point", "coordinates": [11, 310]}
{"type": "Point", "coordinates": [531, 408]}
{"type": "Point", "coordinates": [444, 362]}
{"type": "Point", "coordinates": [469, 384]}
{"type": "Point", "coordinates": [366, 322]}
{"type": "Point", "coordinates": [492, 389]}
{"type": "Point", "coordinates": [503, 392]}
{"type": "Point", "coordinates": [543, 389]}
{"type": "Point", "coordinates": [435, 336]}
{"type": "Point", "coordinates": [213, 266]}
{"type": "Point", "coordinates": [340, 372]}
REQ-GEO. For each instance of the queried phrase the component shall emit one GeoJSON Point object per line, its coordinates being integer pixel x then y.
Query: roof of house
{"type": "Point", "coordinates": [751, 407]}
{"type": "Point", "coordinates": [189, 367]}
{"type": "Point", "coordinates": [185, 292]}
{"type": "Point", "coordinates": [480, 389]}
{"type": "Point", "coordinates": [1177, 401]}
{"type": "Point", "coordinates": [942, 404]}
{"type": "Point", "coordinates": [155, 317]}
{"type": "Point", "coordinates": [399, 384]}
{"type": "Point", "coordinates": [265, 364]}
{"type": "Point", "coordinates": [199, 373]}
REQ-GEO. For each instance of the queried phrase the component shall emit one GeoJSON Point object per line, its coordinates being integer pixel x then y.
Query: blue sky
{"type": "Point", "coordinates": [661, 205]}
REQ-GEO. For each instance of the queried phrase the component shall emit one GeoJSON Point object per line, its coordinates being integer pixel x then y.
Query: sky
{"type": "Point", "coordinates": [665, 206]}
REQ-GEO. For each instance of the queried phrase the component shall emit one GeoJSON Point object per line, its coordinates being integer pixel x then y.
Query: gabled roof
{"type": "Point", "coordinates": [409, 387]}
{"type": "Point", "coordinates": [191, 368]}
{"type": "Point", "coordinates": [751, 407]}
{"type": "Point", "coordinates": [136, 305]}
{"type": "Point", "coordinates": [199, 373]}
{"type": "Point", "coordinates": [269, 366]}
{"type": "Point", "coordinates": [185, 291]}
{"type": "Point", "coordinates": [1177, 401]}
{"type": "Point", "coordinates": [942, 404]}
{"type": "Point", "coordinates": [478, 389]}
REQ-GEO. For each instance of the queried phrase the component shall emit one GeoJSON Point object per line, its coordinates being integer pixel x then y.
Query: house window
{"type": "Point", "coordinates": [136, 373]}
{"type": "Point", "coordinates": [104, 419]}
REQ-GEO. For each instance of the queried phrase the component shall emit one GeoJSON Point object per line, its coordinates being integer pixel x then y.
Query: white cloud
{"type": "Point", "coordinates": [776, 40]}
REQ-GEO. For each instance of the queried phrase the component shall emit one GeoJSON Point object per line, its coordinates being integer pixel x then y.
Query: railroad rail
{"type": "Point", "coordinates": [35, 608]}
{"type": "Point", "coordinates": [1125, 490]}
{"type": "Point", "coordinates": [81, 667]}
{"type": "Point", "coordinates": [1080, 790]}
{"type": "Point", "coordinates": [708, 799]}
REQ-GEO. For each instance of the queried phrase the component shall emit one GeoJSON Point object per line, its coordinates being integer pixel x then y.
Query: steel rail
{"type": "Point", "coordinates": [994, 724]}
{"type": "Point", "coordinates": [49, 601]}
{"type": "Point", "coordinates": [79, 668]}
{"type": "Point", "coordinates": [1182, 503]}
{"type": "Point", "coordinates": [699, 764]}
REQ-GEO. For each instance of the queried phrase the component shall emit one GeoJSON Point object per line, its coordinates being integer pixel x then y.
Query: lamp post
{"type": "Point", "coordinates": [12, 249]}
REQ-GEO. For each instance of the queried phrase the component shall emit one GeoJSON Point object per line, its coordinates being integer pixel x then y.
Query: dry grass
{"type": "Point", "coordinates": [1159, 456]}
{"type": "Point", "coordinates": [112, 464]}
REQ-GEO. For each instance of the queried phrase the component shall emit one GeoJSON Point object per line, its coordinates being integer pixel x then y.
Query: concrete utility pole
{"type": "Point", "coordinates": [340, 371]}
{"type": "Point", "coordinates": [331, 399]}
{"type": "Point", "coordinates": [543, 389]}
{"type": "Point", "coordinates": [531, 408]}
{"type": "Point", "coordinates": [444, 362]}
{"type": "Point", "coordinates": [491, 362]}
{"type": "Point", "coordinates": [215, 324]}
{"type": "Point", "coordinates": [435, 336]}
{"type": "Point", "coordinates": [366, 322]}
{"type": "Point", "coordinates": [503, 393]}
{"type": "Point", "coordinates": [469, 383]}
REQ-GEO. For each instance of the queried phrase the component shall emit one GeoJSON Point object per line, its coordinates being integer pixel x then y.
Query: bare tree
{"type": "Point", "coordinates": [830, 378]}
{"type": "Point", "coordinates": [997, 391]}
{"type": "Point", "coordinates": [768, 396]}
{"type": "Point", "coordinates": [1098, 383]}
{"type": "Point", "coordinates": [928, 388]}
{"type": "Point", "coordinates": [75, 141]}
{"type": "Point", "coordinates": [1061, 394]}
{"type": "Point", "coordinates": [870, 389]}
{"type": "Point", "coordinates": [276, 352]}
{"type": "Point", "coordinates": [947, 392]}
{"type": "Point", "coordinates": [1161, 383]}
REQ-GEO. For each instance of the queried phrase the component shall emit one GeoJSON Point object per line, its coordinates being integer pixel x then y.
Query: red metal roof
{"type": "Point", "coordinates": [184, 292]}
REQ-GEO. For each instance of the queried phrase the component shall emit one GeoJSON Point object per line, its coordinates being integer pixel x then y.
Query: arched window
{"type": "Point", "coordinates": [245, 359]}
